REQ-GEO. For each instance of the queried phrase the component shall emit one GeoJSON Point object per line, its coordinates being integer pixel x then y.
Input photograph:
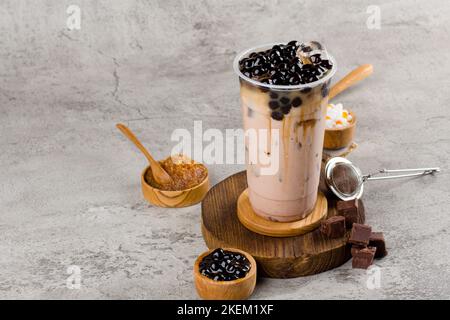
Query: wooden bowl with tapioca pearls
{"type": "Point", "coordinates": [238, 289]}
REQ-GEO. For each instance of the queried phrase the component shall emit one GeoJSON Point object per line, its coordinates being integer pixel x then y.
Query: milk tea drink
{"type": "Point", "coordinates": [284, 92]}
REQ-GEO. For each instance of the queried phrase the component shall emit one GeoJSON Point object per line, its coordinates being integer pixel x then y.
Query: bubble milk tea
{"type": "Point", "coordinates": [284, 95]}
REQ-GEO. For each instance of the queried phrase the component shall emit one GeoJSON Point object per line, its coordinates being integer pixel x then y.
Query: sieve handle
{"type": "Point", "coordinates": [417, 172]}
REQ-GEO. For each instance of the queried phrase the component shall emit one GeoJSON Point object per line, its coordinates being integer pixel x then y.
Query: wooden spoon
{"type": "Point", "coordinates": [160, 175]}
{"type": "Point", "coordinates": [350, 79]}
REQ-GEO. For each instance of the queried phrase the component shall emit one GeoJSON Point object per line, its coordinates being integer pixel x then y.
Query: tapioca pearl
{"type": "Point", "coordinates": [285, 100]}
{"type": "Point", "coordinates": [294, 43]}
{"type": "Point", "coordinates": [230, 269]}
{"type": "Point", "coordinates": [277, 79]}
{"type": "Point", "coordinates": [286, 109]}
{"type": "Point", "coordinates": [277, 115]}
{"type": "Point", "coordinates": [326, 64]}
{"type": "Point", "coordinates": [245, 268]}
{"type": "Point", "coordinates": [276, 60]}
{"type": "Point", "coordinates": [259, 60]}
{"type": "Point", "coordinates": [294, 79]}
{"type": "Point", "coordinates": [247, 73]}
{"type": "Point", "coordinates": [249, 63]}
{"type": "Point", "coordinates": [217, 254]}
{"type": "Point", "coordinates": [306, 90]}
{"type": "Point", "coordinates": [273, 95]}
{"type": "Point", "coordinates": [297, 102]}
{"type": "Point", "coordinates": [274, 104]}
{"type": "Point", "coordinates": [257, 71]}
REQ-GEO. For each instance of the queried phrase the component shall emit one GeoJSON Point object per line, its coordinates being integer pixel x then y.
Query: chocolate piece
{"type": "Point", "coordinates": [360, 234]}
{"type": "Point", "coordinates": [348, 209]}
{"type": "Point", "coordinates": [333, 227]}
{"type": "Point", "coordinates": [363, 258]}
{"type": "Point", "coordinates": [377, 240]}
{"type": "Point", "coordinates": [355, 249]}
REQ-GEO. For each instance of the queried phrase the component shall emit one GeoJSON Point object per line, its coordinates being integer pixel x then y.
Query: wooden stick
{"type": "Point", "coordinates": [350, 79]}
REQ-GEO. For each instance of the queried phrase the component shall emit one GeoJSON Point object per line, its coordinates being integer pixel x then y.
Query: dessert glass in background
{"type": "Point", "coordinates": [298, 112]}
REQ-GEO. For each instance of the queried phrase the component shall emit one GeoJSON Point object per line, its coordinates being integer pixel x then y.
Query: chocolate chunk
{"type": "Point", "coordinates": [333, 227]}
{"type": "Point", "coordinates": [363, 258]}
{"type": "Point", "coordinates": [355, 249]}
{"type": "Point", "coordinates": [377, 240]}
{"type": "Point", "coordinates": [349, 210]}
{"type": "Point", "coordinates": [360, 234]}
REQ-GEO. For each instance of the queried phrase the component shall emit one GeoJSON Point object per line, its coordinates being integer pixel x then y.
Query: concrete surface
{"type": "Point", "coordinates": [69, 183]}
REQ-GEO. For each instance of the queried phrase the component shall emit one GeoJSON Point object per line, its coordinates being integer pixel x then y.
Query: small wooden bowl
{"type": "Point", "coordinates": [337, 138]}
{"type": "Point", "coordinates": [174, 199]}
{"type": "Point", "coordinates": [239, 289]}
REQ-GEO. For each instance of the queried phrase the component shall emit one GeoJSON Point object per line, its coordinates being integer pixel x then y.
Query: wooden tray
{"type": "Point", "coordinates": [289, 257]}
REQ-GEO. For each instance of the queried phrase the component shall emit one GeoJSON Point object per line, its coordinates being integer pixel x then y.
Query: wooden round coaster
{"type": "Point", "coordinates": [258, 224]}
{"type": "Point", "coordinates": [277, 257]}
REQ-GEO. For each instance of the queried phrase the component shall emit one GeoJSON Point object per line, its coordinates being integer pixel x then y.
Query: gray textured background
{"type": "Point", "coordinates": [69, 183]}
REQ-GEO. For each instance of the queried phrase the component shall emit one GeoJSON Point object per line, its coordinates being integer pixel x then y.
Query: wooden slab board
{"type": "Point", "coordinates": [288, 257]}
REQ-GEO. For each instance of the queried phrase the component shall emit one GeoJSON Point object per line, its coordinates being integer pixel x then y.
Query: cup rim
{"type": "Point", "coordinates": [279, 87]}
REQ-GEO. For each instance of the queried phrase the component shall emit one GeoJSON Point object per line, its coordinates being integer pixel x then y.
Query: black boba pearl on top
{"type": "Point", "coordinates": [326, 64]}
{"type": "Point", "coordinates": [277, 79]}
{"type": "Point", "coordinates": [259, 60]}
{"type": "Point", "coordinates": [293, 43]}
{"type": "Point", "coordinates": [290, 51]}
{"type": "Point", "coordinates": [247, 73]}
{"type": "Point", "coordinates": [249, 63]}
{"type": "Point", "coordinates": [297, 102]}
{"type": "Point", "coordinates": [257, 71]}
{"type": "Point", "coordinates": [294, 79]}
{"type": "Point", "coordinates": [315, 58]}
{"type": "Point", "coordinates": [276, 48]}
{"type": "Point", "coordinates": [277, 115]}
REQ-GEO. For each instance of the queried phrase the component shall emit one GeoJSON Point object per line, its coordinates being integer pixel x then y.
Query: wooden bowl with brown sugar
{"type": "Point", "coordinates": [179, 196]}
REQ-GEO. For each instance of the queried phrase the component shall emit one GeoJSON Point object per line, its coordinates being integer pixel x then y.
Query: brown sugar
{"type": "Point", "coordinates": [184, 172]}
